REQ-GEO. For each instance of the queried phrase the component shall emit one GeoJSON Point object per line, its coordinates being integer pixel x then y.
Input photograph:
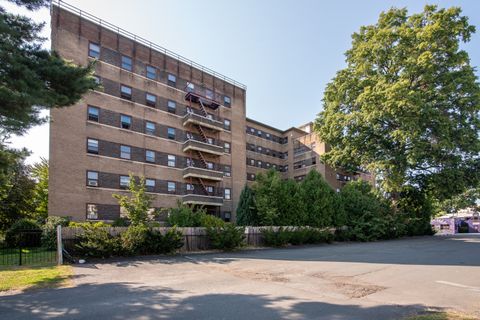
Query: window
{"type": "Point", "coordinates": [92, 146]}
{"type": "Point", "coordinates": [150, 128]}
{"type": "Point", "coordinates": [189, 136]}
{"type": "Point", "coordinates": [227, 216]}
{"type": "Point", "coordinates": [171, 160]}
{"type": "Point", "coordinates": [209, 94]}
{"type": "Point", "coordinates": [314, 160]}
{"type": "Point", "coordinates": [190, 86]}
{"type": "Point", "coordinates": [171, 187]}
{"type": "Point", "coordinates": [227, 101]}
{"type": "Point", "coordinates": [209, 165]}
{"type": "Point", "coordinates": [252, 130]}
{"type": "Point", "coordinates": [268, 136]}
{"type": "Point", "coordinates": [126, 92]}
{"type": "Point", "coordinates": [171, 133]}
{"type": "Point", "coordinates": [124, 182]}
{"type": "Point", "coordinates": [94, 50]}
{"type": "Point", "coordinates": [268, 165]}
{"type": "Point", "coordinates": [190, 187]}
{"type": "Point", "coordinates": [209, 140]}
{"type": "Point", "coordinates": [92, 211]}
{"type": "Point", "coordinates": [93, 113]}
{"type": "Point", "coordinates": [172, 80]}
{"type": "Point", "coordinates": [150, 156]}
{"type": "Point", "coordinates": [209, 116]}
{"type": "Point", "coordinates": [92, 178]}
{"type": "Point", "coordinates": [227, 171]}
{"type": "Point", "coordinates": [226, 124]}
{"type": "Point", "coordinates": [227, 193]}
{"type": "Point", "coordinates": [150, 184]}
{"type": "Point", "coordinates": [151, 73]}
{"type": "Point", "coordinates": [226, 147]}
{"type": "Point", "coordinates": [127, 63]}
{"type": "Point", "coordinates": [171, 106]}
{"type": "Point", "coordinates": [125, 152]}
{"type": "Point", "coordinates": [259, 164]}
{"type": "Point", "coordinates": [209, 189]}
{"type": "Point", "coordinates": [259, 133]}
{"type": "Point", "coordinates": [150, 99]}
{"type": "Point", "coordinates": [252, 162]}
{"type": "Point", "coordinates": [259, 149]}
{"type": "Point", "coordinates": [125, 121]}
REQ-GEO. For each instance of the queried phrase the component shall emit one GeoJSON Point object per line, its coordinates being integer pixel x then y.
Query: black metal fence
{"type": "Point", "coordinates": [24, 247]}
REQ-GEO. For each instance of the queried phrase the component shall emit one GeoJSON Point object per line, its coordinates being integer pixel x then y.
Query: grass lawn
{"type": "Point", "coordinates": [28, 277]}
{"type": "Point", "coordinates": [441, 316]}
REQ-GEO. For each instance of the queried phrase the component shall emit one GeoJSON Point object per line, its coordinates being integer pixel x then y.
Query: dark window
{"type": "Point", "coordinates": [171, 106]}
{"type": "Point", "coordinates": [150, 128]}
{"type": "Point", "coordinates": [151, 99]}
{"type": "Point", "coordinates": [150, 156]}
{"type": "Point", "coordinates": [94, 50]}
{"type": "Point", "coordinates": [150, 185]}
{"type": "Point", "coordinates": [124, 182]}
{"type": "Point", "coordinates": [171, 186]}
{"type": "Point", "coordinates": [92, 146]}
{"type": "Point", "coordinates": [172, 80]}
{"type": "Point", "coordinates": [93, 113]}
{"type": "Point", "coordinates": [92, 211]}
{"type": "Point", "coordinates": [227, 101]}
{"type": "Point", "coordinates": [92, 178]}
{"type": "Point", "coordinates": [126, 92]}
{"type": "Point", "coordinates": [125, 152]}
{"type": "Point", "coordinates": [227, 216]}
{"type": "Point", "coordinates": [171, 133]}
{"type": "Point", "coordinates": [125, 121]}
{"type": "Point", "coordinates": [209, 94]}
{"type": "Point", "coordinates": [127, 63]}
{"type": "Point", "coordinates": [151, 73]}
{"type": "Point", "coordinates": [226, 124]}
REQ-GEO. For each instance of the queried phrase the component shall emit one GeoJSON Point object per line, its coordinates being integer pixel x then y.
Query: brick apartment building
{"type": "Point", "coordinates": [159, 115]}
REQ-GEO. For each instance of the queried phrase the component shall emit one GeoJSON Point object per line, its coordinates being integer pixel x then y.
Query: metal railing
{"type": "Point", "coordinates": [138, 39]}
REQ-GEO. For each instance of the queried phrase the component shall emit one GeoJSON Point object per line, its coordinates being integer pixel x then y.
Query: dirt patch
{"type": "Point", "coordinates": [349, 286]}
{"type": "Point", "coordinates": [255, 275]}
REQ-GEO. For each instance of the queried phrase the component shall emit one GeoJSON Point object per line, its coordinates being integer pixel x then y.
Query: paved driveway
{"type": "Point", "coordinates": [381, 280]}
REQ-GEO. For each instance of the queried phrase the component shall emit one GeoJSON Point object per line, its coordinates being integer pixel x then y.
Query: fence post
{"type": "Point", "coordinates": [59, 245]}
{"type": "Point", "coordinates": [20, 255]}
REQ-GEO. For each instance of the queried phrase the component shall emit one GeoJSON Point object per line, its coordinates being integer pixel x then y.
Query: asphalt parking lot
{"type": "Point", "coordinates": [380, 280]}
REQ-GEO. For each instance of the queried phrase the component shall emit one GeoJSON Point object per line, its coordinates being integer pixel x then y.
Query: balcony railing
{"type": "Point", "coordinates": [206, 200]}
{"type": "Point", "coordinates": [194, 118]}
{"type": "Point", "coordinates": [202, 95]}
{"type": "Point", "coordinates": [196, 145]}
{"type": "Point", "coordinates": [195, 172]}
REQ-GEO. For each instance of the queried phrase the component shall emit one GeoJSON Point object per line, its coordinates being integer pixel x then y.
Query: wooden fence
{"type": "Point", "coordinates": [195, 239]}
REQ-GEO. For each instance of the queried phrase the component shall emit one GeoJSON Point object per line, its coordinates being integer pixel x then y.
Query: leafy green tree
{"type": "Point", "coordinates": [138, 203]}
{"type": "Point", "coordinates": [407, 105]}
{"type": "Point", "coordinates": [267, 187]}
{"type": "Point", "coordinates": [290, 208]}
{"type": "Point", "coordinates": [16, 189]}
{"type": "Point", "coordinates": [416, 208]}
{"type": "Point", "coordinates": [246, 210]}
{"type": "Point", "coordinates": [322, 208]}
{"type": "Point", "coordinates": [39, 172]}
{"type": "Point", "coordinates": [33, 78]}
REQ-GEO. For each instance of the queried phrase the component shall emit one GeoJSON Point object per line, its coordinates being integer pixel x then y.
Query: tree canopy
{"type": "Point", "coordinates": [406, 107]}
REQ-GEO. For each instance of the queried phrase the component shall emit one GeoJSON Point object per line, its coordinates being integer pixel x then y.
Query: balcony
{"type": "Point", "coordinates": [202, 173]}
{"type": "Point", "coordinates": [193, 118]}
{"type": "Point", "coordinates": [205, 200]}
{"type": "Point", "coordinates": [196, 145]}
{"type": "Point", "coordinates": [202, 96]}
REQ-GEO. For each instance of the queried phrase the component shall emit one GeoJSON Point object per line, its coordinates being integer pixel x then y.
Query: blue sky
{"type": "Point", "coordinates": [284, 51]}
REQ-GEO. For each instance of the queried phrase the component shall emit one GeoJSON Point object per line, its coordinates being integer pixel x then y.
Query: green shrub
{"type": "Point", "coordinates": [14, 237]}
{"type": "Point", "coordinates": [209, 221]}
{"type": "Point", "coordinates": [184, 216]}
{"type": "Point", "coordinates": [121, 222]}
{"type": "Point", "coordinates": [164, 244]}
{"type": "Point", "coordinates": [49, 230]}
{"type": "Point", "coordinates": [279, 238]}
{"type": "Point", "coordinates": [97, 242]}
{"type": "Point", "coordinates": [134, 239]}
{"type": "Point", "coordinates": [227, 237]}
{"type": "Point", "coordinates": [88, 224]}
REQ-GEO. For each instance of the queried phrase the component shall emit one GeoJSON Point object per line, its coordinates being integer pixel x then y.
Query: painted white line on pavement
{"type": "Point", "coordinates": [458, 285]}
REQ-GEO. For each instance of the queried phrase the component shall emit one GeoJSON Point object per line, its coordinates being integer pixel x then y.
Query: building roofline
{"type": "Point", "coordinates": [85, 15]}
{"type": "Point", "coordinates": [273, 128]}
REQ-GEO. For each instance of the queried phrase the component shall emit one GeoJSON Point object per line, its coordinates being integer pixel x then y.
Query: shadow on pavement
{"type": "Point", "coordinates": [130, 301]}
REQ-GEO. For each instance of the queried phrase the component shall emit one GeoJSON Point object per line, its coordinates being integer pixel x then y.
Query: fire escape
{"type": "Point", "coordinates": [202, 146]}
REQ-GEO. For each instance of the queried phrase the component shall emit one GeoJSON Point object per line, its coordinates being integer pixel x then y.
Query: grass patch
{"type": "Point", "coordinates": [47, 276]}
{"type": "Point", "coordinates": [433, 315]}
